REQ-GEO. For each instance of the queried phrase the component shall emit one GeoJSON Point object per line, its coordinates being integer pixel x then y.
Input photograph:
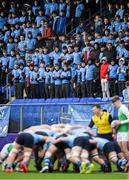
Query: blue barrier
{"type": "Point", "coordinates": [28, 112]}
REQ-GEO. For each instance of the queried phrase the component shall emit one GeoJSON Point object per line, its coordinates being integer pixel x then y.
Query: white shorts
{"type": "Point", "coordinates": [4, 152]}
{"type": "Point", "coordinates": [122, 136]}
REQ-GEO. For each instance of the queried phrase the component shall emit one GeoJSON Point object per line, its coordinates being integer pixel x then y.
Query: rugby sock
{"type": "Point", "coordinates": [47, 161]}
{"type": "Point", "coordinates": [63, 162]}
{"type": "Point", "coordinates": [88, 163]}
{"type": "Point", "coordinates": [25, 162]}
{"type": "Point", "coordinates": [78, 163]}
{"type": "Point", "coordinates": [9, 165]}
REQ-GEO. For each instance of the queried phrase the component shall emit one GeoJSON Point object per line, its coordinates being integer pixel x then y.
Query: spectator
{"type": "Point", "coordinates": [120, 12]}
{"type": "Point", "coordinates": [4, 60]}
{"type": "Point", "coordinates": [96, 51]}
{"type": "Point", "coordinates": [89, 78]}
{"type": "Point", "coordinates": [61, 23]}
{"type": "Point", "coordinates": [125, 92]}
{"type": "Point", "coordinates": [62, 6]}
{"type": "Point", "coordinates": [58, 81]}
{"type": "Point", "coordinates": [96, 79]}
{"type": "Point", "coordinates": [77, 80]}
{"type": "Point", "coordinates": [34, 82]}
{"type": "Point", "coordinates": [15, 76]}
{"type": "Point", "coordinates": [112, 71]}
{"type": "Point", "coordinates": [104, 77]}
{"type": "Point", "coordinates": [47, 31]}
{"type": "Point", "coordinates": [65, 76]}
{"type": "Point", "coordinates": [52, 82]}
{"type": "Point", "coordinates": [121, 72]}
{"type": "Point", "coordinates": [83, 79]}
{"type": "Point", "coordinates": [54, 6]}
{"type": "Point", "coordinates": [47, 82]}
{"type": "Point", "coordinates": [41, 79]}
{"type": "Point", "coordinates": [21, 72]}
{"type": "Point", "coordinates": [79, 11]}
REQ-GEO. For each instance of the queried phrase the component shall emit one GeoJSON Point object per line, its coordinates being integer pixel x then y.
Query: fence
{"type": "Point", "coordinates": [25, 115]}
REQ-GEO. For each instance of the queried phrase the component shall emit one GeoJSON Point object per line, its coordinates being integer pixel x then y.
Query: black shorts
{"type": "Point", "coordinates": [111, 147]}
{"type": "Point", "coordinates": [83, 142]}
{"type": "Point", "coordinates": [41, 133]}
{"type": "Point", "coordinates": [61, 146]}
{"type": "Point", "coordinates": [25, 139]}
{"type": "Point", "coordinates": [106, 136]}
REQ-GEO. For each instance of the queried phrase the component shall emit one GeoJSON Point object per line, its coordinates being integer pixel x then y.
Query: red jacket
{"type": "Point", "coordinates": [47, 32]}
{"type": "Point", "coordinates": [104, 71]}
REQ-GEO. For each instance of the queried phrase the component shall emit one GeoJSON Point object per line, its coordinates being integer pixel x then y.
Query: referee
{"type": "Point", "coordinates": [102, 120]}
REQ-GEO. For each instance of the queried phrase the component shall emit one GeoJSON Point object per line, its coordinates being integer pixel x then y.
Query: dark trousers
{"type": "Point", "coordinates": [41, 90]}
{"type": "Point", "coordinates": [28, 91]}
{"type": "Point", "coordinates": [47, 91]}
{"type": "Point", "coordinates": [52, 90]}
{"type": "Point", "coordinates": [89, 88]}
{"type": "Point", "coordinates": [16, 87]}
{"type": "Point", "coordinates": [34, 90]}
{"type": "Point", "coordinates": [97, 88]}
{"type": "Point", "coordinates": [83, 89]}
{"type": "Point", "coordinates": [21, 90]}
{"type": "Point", "coordinates": [58, 91]}
{"type": "Point", "coordinates": [3, 78]}
{"type": "Point", "coordinates": [121, 86]}
{"type": "Point", "coordinates": [77, 21]}
{"type": "Point", "coordinates": [65, 90]}
{"type": "Point", "coordinates": [78, 90]}
{"type": "Point", "coordinates": [113, 87]}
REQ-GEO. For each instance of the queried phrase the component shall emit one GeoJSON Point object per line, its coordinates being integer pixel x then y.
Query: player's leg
{"type": "Point", "coordinates": [11, 158]}
{"type": "Point", "coordinates": [47, 158]}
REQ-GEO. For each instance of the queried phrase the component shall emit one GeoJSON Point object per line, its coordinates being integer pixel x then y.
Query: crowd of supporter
{"type": "Point", "coordinates": [41, 61]}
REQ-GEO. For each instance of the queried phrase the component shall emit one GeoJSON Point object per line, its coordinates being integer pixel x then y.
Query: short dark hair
{"type": "Point", "coordinates": [115, 98]}
{"type": "Point", "coordinates": [97, 106]}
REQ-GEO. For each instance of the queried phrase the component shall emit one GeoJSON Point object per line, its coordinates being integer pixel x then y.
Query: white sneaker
{"type": "Point", "coordinates": [3, 166]}
{"type": "Point", "coordinates": [44, 169]}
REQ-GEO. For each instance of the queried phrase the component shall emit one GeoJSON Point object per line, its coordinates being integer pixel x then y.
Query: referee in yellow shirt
{"type": "Point", "coordinates": [102, 120]}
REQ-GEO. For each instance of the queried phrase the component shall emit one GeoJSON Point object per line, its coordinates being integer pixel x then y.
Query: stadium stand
{"type": "Point", "coordinates": [40, 58]}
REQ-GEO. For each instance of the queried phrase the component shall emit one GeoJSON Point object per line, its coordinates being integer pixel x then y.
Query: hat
{"type": "Point", "coordinates": [104, 58]}
{"type": "Point", "coordinates": [121, 59]}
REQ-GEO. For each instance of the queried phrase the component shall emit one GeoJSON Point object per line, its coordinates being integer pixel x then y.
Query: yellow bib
{"type": "Point", "coordinates": [102, 123]}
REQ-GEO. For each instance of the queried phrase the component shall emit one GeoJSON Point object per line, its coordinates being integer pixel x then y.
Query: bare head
{"type": "Point", "coordinates": [116, 101]}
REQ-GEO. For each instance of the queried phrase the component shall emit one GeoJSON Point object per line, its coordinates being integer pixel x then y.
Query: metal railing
{"type": "Point", "coordinates": [7, 88]}
{"type": "Point", "coordinates": [23, 114]}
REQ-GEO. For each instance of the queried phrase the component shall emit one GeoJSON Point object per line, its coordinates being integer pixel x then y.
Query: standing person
{"type": "Point", "coordinates": [47, 82]}
{"type": "Point", "coordinates": [61, 23]}
{"type": "Point", "coordinates": [29, 67]}
{"type": "Point", "coordinates": [65, 76]}
{"type": "Point", "coordinates": [21, 80]}
{"type": "Point", "coordinates": [104, 77]}
{"type": "Point", "coordinates": [102, 120]}
{"type": "Point", "coordinates": [78, 12]}
{"type": "Point", "coordinates": [52, 82]}
{"type": "Point", "coordinates": [126, 92]}
{"type": "Point", "coordinates": [112, 70]}
{"type": "Point", "coordinates": [121, 72]}
{"type": "Point", "coordinates": [15, 75]}
{"type": "Point", "coordinates": [83, 79]}
{"type": "Point", "coordinates": [58, 81]}
{"type": "Point", "coordinates": [34, 82]}
{"type": "Point", "coordinates": [77, 79]}
{"type": "Point", "coordinates": [96, 79]}
{"type": "Point", "coordinates": [41, 80]}
{"type": "Point", "coordinates": [47, 31]}
{"type": "Point", "coordinates": [121, 125]}
{"type": "Point", "coordinates": [89, 78]}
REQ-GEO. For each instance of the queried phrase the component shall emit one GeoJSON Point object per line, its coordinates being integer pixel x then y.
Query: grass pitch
{"type": "Point", "coordinates": [34, 175]}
